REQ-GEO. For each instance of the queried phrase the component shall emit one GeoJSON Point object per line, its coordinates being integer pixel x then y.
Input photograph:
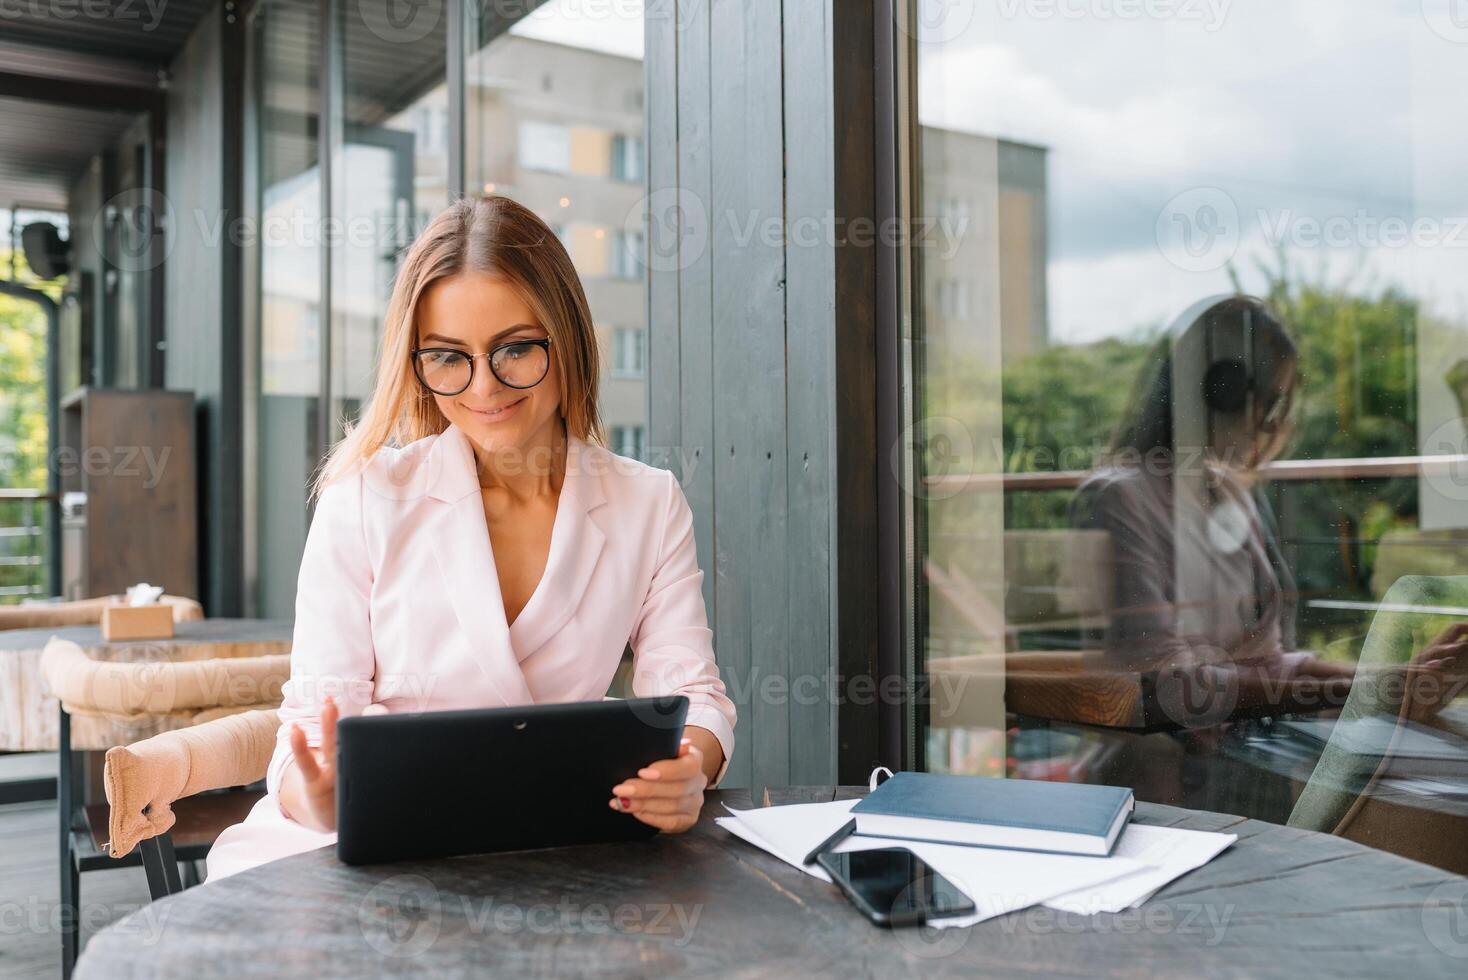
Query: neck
{"type": "Point", "coordinates": [535, 469]}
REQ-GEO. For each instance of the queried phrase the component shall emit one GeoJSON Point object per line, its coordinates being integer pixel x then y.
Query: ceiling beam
{"type": "Point", "coordinates": [74, 78]}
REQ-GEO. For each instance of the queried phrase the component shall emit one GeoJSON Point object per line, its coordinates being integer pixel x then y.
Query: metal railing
{"type": "Point", "coordinates": [24, 543]}
{"type": "Point", "coordinates": [1287, 470]}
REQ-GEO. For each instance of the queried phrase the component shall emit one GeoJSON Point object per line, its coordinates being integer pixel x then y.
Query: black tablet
{"type": "Point", "coordinates": [443, 783]}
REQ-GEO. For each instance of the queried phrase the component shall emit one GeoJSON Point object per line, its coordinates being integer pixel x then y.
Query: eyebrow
{"type": "Point", "coordinates": [517, 328]}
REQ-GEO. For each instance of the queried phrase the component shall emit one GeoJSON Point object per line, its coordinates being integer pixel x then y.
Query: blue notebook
{"type": "Point", "coordinates": [1026, 814]}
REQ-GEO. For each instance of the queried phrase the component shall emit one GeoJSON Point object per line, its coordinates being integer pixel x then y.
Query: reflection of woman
{"type": "Point", "coordinates": [473, 546]}
{"type": "Point", "coordinates": [1197, 573]}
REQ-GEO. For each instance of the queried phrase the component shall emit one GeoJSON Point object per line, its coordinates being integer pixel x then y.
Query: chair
{"type": "Point", "coordinates": [222, 699]}
{"type": "Point", "coordinates": [1351, 795]}
{"type": "Point", "coordinates": [84, 612]}
{"type": "Point", "coordinates": [153, 787]}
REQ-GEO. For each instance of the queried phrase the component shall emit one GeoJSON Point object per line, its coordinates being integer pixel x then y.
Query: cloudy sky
{"type": "Point", "coordinates": [1265, 115]}
{"type": "Point", "coordinates": [611, 26]}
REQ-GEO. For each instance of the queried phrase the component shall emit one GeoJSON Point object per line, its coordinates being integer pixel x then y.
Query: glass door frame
{"type": "Point", "coordinates": [900, 517]}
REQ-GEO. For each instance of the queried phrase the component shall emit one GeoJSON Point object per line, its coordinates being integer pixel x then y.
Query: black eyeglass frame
{"type": "Point", "coordinates": [542, 342]}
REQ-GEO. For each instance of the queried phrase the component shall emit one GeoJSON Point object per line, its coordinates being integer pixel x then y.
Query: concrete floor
{"type": "Point", "coordinates": [30, 938]}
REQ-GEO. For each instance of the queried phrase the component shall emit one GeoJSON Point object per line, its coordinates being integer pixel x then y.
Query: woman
{"type": "Point", "coordinates": [474, 546]}
{"type": "Point", "coordinates": [1198, 579]}
{"type": "Point", "coordinates": [1197, 575]}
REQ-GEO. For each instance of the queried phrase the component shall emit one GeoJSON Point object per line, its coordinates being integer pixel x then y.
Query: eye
{"type": "Point", "coordinates": [516, 351]}
{"type": "Point", "coordinates": [441, 358]}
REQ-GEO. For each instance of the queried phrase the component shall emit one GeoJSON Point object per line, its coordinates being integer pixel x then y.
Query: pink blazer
{"type": "Point", "coordinates": [398, 604]}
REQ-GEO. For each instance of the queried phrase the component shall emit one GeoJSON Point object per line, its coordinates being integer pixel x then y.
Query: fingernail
{"type": "Point", "coordinates": [649, 774]}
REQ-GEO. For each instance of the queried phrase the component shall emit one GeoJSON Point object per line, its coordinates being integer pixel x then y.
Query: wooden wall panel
{"type": "Point", "coordinates": [751, 389]}
{"type": "Point", "coordinates": [745, 124]}
{"type": "Point", "coordinates": [694, 266]}
{"type": "Point", "coordinates": [811, 341]}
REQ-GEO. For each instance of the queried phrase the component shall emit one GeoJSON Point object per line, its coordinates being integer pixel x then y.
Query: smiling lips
{"type": "Point", "coordinates": [498, 414]}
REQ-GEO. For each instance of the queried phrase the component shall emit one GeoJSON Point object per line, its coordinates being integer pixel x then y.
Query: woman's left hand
{"type": "Point", "coordinates": [667, 795]}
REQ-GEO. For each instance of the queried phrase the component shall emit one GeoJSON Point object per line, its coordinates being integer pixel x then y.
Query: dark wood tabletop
{"type": "Point", "coordinates": [1279, 903]}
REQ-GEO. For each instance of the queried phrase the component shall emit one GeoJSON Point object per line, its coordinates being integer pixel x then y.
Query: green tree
{"type": "Point", "coordinates": [23, 425]}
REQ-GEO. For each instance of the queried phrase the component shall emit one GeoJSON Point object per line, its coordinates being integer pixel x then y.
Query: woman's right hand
{"type": "Point", "coordinates": [308, 791]}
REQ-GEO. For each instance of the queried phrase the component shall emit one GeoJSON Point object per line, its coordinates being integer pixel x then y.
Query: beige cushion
{"type": "Point", "coordinates": [126, 690]}
{"type": "Point", "coordinates": [144, 779]}
{"type": "Point", "coordinates": [84, 612]}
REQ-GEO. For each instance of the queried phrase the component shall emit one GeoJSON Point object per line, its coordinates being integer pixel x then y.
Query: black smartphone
{"type": "Point", "coordinates": [894, 887]}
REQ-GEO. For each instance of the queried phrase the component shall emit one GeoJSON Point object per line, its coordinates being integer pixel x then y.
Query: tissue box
{"type": "Point", "coordinates": [153, 622]}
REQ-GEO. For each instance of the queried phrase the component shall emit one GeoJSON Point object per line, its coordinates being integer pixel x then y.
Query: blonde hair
{"type": "Point", "coordinates": [498, 237]}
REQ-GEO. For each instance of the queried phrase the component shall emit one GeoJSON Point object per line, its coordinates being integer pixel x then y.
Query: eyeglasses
{"type": "Point", "coordinates": [449, 371]}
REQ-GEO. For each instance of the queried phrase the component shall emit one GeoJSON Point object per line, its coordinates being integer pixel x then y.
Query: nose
{"type": "Point", "coordinates": [484, 383]}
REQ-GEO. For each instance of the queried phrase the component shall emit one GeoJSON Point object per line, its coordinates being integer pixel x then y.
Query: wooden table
{"type": "Point", "coordinates": [28, 717]}
{"type": "Point", "coordinates": [1281, 902]}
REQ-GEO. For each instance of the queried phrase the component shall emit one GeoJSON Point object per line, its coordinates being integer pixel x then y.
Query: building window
{"type": "Point", "coordinates": [627, 440]}
{"type": "Point", "coordinates": [628, 352]}
{"type": "Point", "coordinates": [627, 158]}
{"type": "Point", "coordinates": [545, 146]}
{"type": "Point", "coordinates": [627, 255]}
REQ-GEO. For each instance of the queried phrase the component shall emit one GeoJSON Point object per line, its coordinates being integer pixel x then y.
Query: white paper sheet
{"type": "Point", "coordinates": [1168, 852]}
{"type": "Point", "coordinates": [998, 881]}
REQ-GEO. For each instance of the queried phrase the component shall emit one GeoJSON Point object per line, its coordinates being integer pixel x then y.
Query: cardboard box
{"type": "Point", "coordinates": [137, 622]}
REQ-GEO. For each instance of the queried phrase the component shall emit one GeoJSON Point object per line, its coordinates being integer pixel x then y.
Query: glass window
{"type": "Point", "coordinates": [389, 142]}
{"type": "Point", "coordinates": [627, 158]}
{"type": "Point", "coordinates": [389, 177]}
{"type": "Point", "coordinates": [284, 38]}
{"type": "Point", "coordinates": [1189, 347]}
{"type": "Point", "coordinates": [553, 118]}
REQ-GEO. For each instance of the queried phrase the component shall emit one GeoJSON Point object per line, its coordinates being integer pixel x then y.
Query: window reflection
{"type": "Point", "coordinates": [1191, 419]}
